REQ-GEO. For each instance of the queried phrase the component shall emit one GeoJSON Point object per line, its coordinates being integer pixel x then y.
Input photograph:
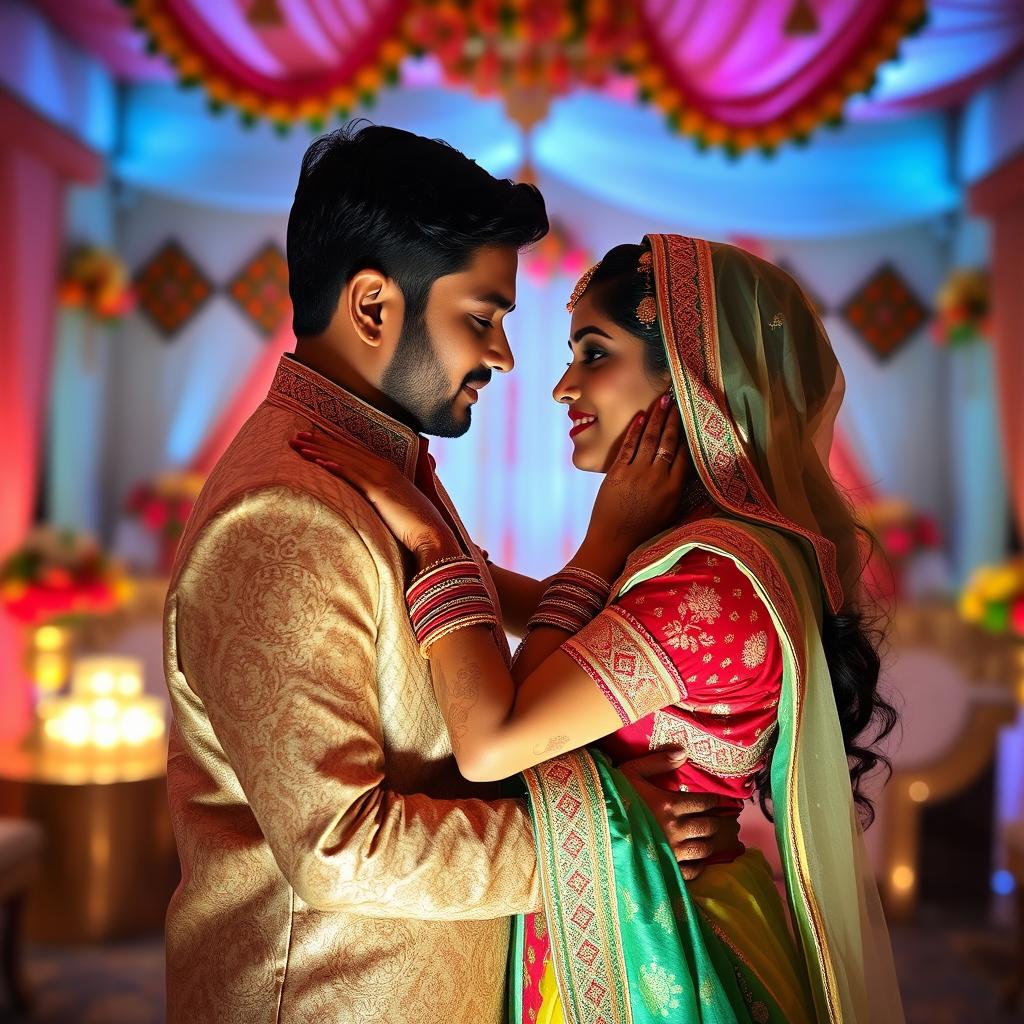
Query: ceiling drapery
{"type": "Point", "coordinates": [734, 74]}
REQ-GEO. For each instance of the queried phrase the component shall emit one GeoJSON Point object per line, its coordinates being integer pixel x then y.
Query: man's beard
{"type": "Point", "coordinates": [417, 382]}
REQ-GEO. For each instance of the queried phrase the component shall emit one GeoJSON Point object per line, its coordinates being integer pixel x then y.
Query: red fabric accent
{"type": "Point", "coordinates": [707, 619]}
{"type": "Point", "coordinates": [33, 168]}
{"type": "Point", "coordinates": [849, 473]}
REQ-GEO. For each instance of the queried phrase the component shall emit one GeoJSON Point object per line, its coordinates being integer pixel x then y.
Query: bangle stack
{"type": "Point", "coordinates": [447, 596]}
{"type": "Point", "coordinates": [573, 597]}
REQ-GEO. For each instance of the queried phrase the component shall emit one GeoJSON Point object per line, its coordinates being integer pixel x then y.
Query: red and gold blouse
{"type": "Point", "coordinates": [689, 659]}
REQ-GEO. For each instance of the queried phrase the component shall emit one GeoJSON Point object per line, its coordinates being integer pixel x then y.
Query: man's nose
{"type": "Point", "coordinates": [499, 353]}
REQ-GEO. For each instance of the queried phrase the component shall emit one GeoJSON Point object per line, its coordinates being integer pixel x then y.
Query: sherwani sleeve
{"type": "Point", "coordinates": [276, 623]}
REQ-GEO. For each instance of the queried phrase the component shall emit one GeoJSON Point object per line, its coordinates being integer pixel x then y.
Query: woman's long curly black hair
{"type": "Point", "coordinates": [851, 639]}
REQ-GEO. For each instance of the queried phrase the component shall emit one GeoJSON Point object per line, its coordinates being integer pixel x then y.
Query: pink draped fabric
{"type": "Point", "coordinates": [1000, 198]}
{"type": "Point", "coordinates": [249, 395]}
{"type": "Point", "coordinates": [104, 29]}
{"type": "Point", "coordinates": [734, 60]}
{"type": "Point", "coordinates": [35, 162]}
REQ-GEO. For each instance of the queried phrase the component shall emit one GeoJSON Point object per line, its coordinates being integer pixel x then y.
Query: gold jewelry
{"type": "Point", "coordinates": [581, 286]}
{"type": "Point", "coordinates": [666, 455]}
{"type": "Point", "coordinates": [647, 310]}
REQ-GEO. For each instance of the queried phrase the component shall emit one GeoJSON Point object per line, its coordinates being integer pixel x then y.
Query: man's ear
{"type": "Point", "coordinates": [373, 304]}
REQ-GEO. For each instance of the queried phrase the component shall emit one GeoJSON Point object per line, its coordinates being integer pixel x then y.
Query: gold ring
{"type": "Point", "coordinates": [663, 454]}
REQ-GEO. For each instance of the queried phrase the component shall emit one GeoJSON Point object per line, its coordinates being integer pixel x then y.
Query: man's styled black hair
{"type": "Point", "coordinates": [415, 209]}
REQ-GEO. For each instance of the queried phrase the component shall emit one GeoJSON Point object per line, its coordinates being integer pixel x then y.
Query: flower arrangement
{"type": "Point", "coordinates": [60, 575]}
{"type": "Point", "coordinates": [994, 598]}
{"type": "Point", "coordinates": [96, 281]}
{"type": "Point", "coordinates": [555, 253]}
{"type": "Point", "coordinates": [493, 46]}
{"type": "Point", "coordinates": [900, 529]}
{"type": "Point", "coordinates": [962, 307]}
{"type": "Point", "coordinates": [163, 505]}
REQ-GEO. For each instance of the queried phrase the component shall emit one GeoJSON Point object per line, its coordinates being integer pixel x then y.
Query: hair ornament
{"type": "Point", "coordinates": [776, 322]}
{"type": "Point", "coordinates": [581, 286]}
{"type": "Point", "coordinates": [647, 310]}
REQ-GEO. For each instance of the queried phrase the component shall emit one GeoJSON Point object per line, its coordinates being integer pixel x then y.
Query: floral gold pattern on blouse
{"type": "Point", "coordinates": [704, 614]}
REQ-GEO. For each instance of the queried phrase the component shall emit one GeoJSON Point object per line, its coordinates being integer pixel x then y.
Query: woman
{"type": "Point", "coordinates": [734, 634]}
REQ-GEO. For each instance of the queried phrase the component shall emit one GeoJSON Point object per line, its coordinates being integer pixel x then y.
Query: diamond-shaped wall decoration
{"type": "Point", "coordinates": [170, 288]}
{"type": "Point", "coordinates": [260, 289]}
{"type": "Point", "coordinates": [812, 296]}
{"type": "Point", "coordinates": [884, 311]}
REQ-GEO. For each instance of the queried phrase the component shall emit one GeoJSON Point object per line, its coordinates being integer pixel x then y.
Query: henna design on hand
{"type": "Point", "coordinates": [458, 693]}
{"type": "Point", "coordinates": [554, 744]}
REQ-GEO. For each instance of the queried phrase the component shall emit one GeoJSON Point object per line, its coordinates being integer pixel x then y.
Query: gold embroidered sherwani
{"type": "Point", "coordinates": [335, 865]}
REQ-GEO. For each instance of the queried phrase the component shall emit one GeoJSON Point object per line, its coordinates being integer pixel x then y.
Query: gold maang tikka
{"type": "Point", "coordinates": [581, 286]}
{"type": "Point", "coordinates": [647, 310]}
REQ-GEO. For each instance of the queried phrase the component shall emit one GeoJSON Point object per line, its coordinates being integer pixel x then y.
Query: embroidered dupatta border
{"type": "Point", "coordinates": [733, 541]}
{"type": "Point", "coordinates": [578, 883]}
{"type": "Point", "coordinates": [687, 311]}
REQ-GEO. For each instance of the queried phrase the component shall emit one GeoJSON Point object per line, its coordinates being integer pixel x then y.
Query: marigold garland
{"type": "Point", "coordinates": [163, 505]}
{"type": "Point", "coordinates": [526, 43]}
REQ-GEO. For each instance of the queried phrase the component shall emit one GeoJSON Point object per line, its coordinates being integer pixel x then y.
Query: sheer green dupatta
{"type": "Point", "coordinates": [832, 894]}
{"type": "Point", "coordinates": [628, 945]}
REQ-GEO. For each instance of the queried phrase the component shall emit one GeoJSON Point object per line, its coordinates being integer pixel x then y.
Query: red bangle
{"type": "Point", "coordinates": [447, 596]}
{"type": "Point", "coordinates": [573, 597]}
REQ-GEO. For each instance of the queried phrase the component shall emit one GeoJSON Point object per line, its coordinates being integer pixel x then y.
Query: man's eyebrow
{"type": "Point", "coordinates": [497, 299]}
{"type": "Point", "coordinates": [588, 330]}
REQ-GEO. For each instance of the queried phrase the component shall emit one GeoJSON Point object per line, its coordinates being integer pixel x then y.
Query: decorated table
{"type": "Point", "coordinates": [109, 866]}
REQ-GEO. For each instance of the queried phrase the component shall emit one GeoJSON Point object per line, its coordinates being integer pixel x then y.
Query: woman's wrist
{"type": "Point", "coordinates": [601, 556]}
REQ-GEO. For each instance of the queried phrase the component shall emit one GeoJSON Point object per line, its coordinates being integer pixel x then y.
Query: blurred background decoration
{"type": "Point", "coordinates": [148, 155]}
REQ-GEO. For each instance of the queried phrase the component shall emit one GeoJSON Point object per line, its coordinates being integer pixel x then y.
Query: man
{"type": "Point", "coordinates": [335, 866]}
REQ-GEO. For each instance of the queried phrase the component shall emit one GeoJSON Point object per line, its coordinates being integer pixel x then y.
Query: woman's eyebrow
{"type": "Point", "coordinates": [588, 330]}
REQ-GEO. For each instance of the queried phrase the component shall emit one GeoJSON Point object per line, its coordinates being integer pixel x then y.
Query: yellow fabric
{"type": "Point", "coordinates": [335, 866]}
{"type": "Point", "coordinates": [551, 1005]}
{"type": "Point", "coordinates": [742, 905]}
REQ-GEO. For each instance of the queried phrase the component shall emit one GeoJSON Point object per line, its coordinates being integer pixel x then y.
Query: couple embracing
{"type": "Point", "coordinates": [346, 706]}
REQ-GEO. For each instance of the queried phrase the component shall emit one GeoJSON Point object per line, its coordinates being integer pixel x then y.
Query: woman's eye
{"type": "Point", "coordinates": [592, 355]}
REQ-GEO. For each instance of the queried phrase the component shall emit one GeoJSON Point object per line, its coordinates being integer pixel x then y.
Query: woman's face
{"type": "Point", "coordinates": [604, 387]}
